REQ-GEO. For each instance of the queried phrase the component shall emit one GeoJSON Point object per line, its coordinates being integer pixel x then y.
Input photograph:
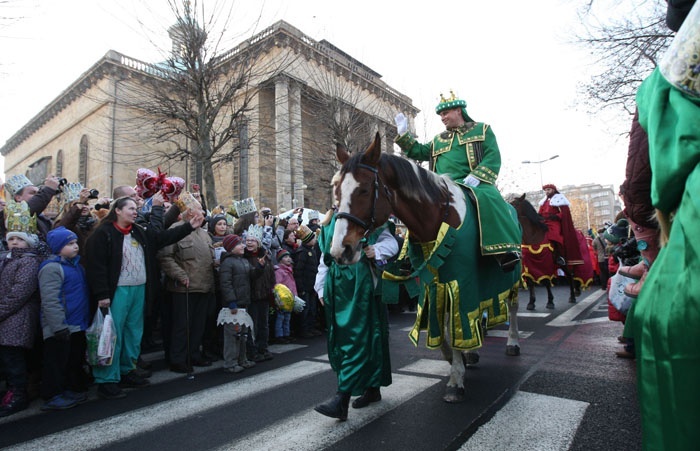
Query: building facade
{"type": "Point", "coordinates": [286, 155]}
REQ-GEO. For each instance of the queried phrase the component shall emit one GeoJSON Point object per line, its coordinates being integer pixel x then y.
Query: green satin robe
{"type": "Point", "coordinates": [665, 318]}
{"type": "Point", "coordinates": [472, 149]}
{"type": "Point", "coordinates": [358, 328]}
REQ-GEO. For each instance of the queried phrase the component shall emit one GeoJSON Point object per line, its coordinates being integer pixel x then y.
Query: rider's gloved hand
{"type": "Point", "coordinates": [472, 181]}
{"type": "Point", "coordinates": [401, 123]}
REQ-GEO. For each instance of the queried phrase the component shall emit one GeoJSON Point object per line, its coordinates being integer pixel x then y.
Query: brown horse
{"type": "Point", "coordinates": [534, 231]}
{"type": "Point", "coordinates": [458, 287]}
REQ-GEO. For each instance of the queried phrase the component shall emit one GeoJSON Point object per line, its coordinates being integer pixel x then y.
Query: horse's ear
{"type": "Point", "coordinates": [341, 152]}
{"type": "Point", "coordinates": [374, 151]}
{"type": "Point", "coordinates": [521, 198]}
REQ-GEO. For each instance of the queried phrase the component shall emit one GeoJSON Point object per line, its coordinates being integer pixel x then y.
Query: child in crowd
{"type": "Point", "coordinates": [235, 273]}
{"type": "Point", "coordinates": [284, 274]}
{"type": "Point", "coordinates": [19, 314]}
{"type": "Point", "coordinates": [65, 314]}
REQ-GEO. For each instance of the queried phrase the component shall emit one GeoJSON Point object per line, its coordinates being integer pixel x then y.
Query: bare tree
{"type": "Point", "coordinates": [198, 101]}
{"type": "Point", "coordinates": [627, 48]}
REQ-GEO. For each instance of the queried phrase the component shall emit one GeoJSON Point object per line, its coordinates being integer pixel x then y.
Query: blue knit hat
{"type": "Point", "coordinates": [59, 237]}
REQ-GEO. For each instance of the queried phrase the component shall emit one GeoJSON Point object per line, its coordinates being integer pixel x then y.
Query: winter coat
{"type": "Point", "coordinates": [190, 258]}
{"type": "Point", "coordinates": [104, 254]}
{"type": "Point", "coordinates": [284, 274]}
{"type": "Point", "coordinates": [235, 277]}
{"type": "Point", "coordinates": [19, 297]}
{"type": "Point", "coordinates": [262, 286]}
{"type": "Point", "coordinates": [65, 297]}
{"type": "Point", "coordinates": [306, 260]}
{"type": "Point", "coordinates": [636, 189]}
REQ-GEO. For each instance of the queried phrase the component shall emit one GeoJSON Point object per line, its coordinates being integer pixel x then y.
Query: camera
{"type": "Point", "coordinates": [62, 181]}
{"type": "Point", "coordinates": [94, 194]}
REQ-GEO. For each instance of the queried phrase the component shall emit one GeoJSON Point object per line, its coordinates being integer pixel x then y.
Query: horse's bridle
{"type": "Point", "coordinates": [354, 219]}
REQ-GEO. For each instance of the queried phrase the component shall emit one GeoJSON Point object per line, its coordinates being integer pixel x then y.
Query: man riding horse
{"type": "Point", "coordinates": [468, 153]}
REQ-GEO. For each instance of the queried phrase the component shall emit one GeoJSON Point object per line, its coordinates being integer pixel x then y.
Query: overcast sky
{"type": "Point", "coordinates": [508, 59]}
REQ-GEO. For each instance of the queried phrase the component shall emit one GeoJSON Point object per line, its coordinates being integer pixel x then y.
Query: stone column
{"type": "Point", "coordinates": [295, 140]}
{"type": "Point", "coordinates": [283, 170]}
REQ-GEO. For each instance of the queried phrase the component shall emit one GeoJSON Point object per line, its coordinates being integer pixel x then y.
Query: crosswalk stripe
{"type": "Point", "coordinates": [428, 366]}
{"type": "Point", "coordinates": [500, 333]}
{"type": "Point", "coordinates": [310, 430]}
{"type": "Point", "coordinates": [507, 431]}
{"type": "Point", "coordinates": [120, 427]}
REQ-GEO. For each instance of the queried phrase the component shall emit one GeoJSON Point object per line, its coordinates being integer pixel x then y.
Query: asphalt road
{"type": "Point", "coordinates": [566, 391]}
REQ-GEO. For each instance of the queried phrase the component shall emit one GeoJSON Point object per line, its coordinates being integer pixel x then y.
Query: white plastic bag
{"type": "Point", "coordinates": [108, 340]}
{"type": "Point", "coordinates": [617, 295]}
{"type": "Point", "coordinates": [92, 335]}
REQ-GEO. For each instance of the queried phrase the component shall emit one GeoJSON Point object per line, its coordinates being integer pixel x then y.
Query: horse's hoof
{"type": "Point", "coordinates": [471, 358]}
{"type": "Point", "coordinates": [530, 305]}
{"type": "Point", "coordinates": [454, 395]}
{"type": "Point", "coordinates": [512, 350]}
{"type": "Point", "coordinates": [572, 300]}
{"type": "Point", "coordinates": [550, 305]}
{"type": "Point", "coordinates": [577, 292]}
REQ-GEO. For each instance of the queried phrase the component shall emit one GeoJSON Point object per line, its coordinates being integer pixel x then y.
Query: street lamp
{"type": "Point", "coordinates": [540, 165]}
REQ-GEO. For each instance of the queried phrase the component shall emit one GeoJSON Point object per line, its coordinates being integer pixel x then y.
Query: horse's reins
{"type": "Point", "coordinates": [354, 219]}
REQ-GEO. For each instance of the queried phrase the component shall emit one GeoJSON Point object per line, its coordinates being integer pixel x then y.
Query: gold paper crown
{"type": "Point", "coordinates": [16, 183]}
{"type": "Point", "coordinates": [449, 103]}
{"type": "Point", "coordinates": [304, 233]}
{"type": "Point", "coordinates": [187, 202]}
{"type": "Point", "coordinates": [255, 231]}
{"type": "Point", "coordinates": [242, 207]}
{"type": "Point", "coordinates": [18, 219]}
{"type": "Point", "coordinates": [218, 210]}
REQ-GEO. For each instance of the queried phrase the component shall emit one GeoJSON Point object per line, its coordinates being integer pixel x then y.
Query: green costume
{"type": "Point", "coordinates": [358, 331]}
{"type": "Point", "coordinates": [664, 319]}
{"type": "Point", "coordinates": [471, 149]}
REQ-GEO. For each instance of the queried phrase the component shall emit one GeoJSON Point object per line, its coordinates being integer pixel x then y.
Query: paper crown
{"type": "Point", "coordinates": [71, 192]}
{"type": "Point", "coordinates": [18, 219]}
{"type": "Point", "coordinates": [449, 103]}
{"type": "Point", "coordinates": [680, 64]}
{"type": "Point", "coordinates": [16, 183]}
{"type": "Point", "coordinates": [187, 202]}
{"type": "Point", "coordinates": [304, 233]}
{"type": "Point", "coordinates": [255, 231]}
{"type": "Point", "coordinates": [242, 207]}
{"type": "Point", "coordinates": [313, 214]}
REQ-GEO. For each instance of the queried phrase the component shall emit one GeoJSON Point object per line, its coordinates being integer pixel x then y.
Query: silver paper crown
{"type": "Point", "coordinates": [16, 183]}
{"type": "Point", "coordinates": [255, 231]}
{"type": "Point", "coordinates": [71, 192]}
{"type": "Point", "coordinates": [244, 206]}
{"type": "Point", "coordinates": [681, 63]}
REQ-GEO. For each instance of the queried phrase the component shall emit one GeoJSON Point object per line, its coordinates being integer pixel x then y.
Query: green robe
{"type": "Point", "coordinates": [665, 317]}
{"type": "Point", "coordinates": [472, 149]}
{"type": "Point", "coordinates": [358, 329]}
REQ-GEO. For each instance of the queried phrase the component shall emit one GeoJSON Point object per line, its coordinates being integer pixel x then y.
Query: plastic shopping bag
{"type": "Point", "coordinates": [617, 295]}
{"type": "Point", "coordinates": [108, 340]}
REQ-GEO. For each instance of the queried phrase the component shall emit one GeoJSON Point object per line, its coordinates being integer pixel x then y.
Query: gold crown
{"type": "Point", "coordinates": [255, 231]}
{"type": "Point", "coordinates": [452, 98]}
{"type": "Point", "coordinates": [18, 219]}
{"type": "Point", "coordinates": [449, 103]}
{"type": "Point", "coordinates": [186, 201]}
{"type": "Point", "coordinates": [242, 207]}
{"type": "Point", "coordinates": [16, 183]}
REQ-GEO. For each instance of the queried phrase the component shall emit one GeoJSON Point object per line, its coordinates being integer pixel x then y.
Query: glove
{"type": "Point", "coordinates": [401, 123]}
{"type": "Point", "coordinates": [62, 335]}
{"type": "Point", "coordinates": [472, 181]}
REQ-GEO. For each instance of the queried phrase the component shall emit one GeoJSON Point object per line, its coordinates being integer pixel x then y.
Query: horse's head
{"type": "Point", "coordinates": [362, 201]}
{"type": "Point", "coordinates": [533, 225]}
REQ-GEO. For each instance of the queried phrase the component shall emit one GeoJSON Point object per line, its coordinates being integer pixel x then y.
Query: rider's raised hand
{"type": "Point", "coordinates": [401, 123]}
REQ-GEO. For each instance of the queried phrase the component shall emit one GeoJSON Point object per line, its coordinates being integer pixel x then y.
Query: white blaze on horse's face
{"type": "Point", "coordinates": [345, 249]}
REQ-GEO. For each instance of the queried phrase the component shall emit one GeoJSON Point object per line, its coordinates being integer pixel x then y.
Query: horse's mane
{"type": "Point", "coordinates": [529, 212]}
{"type": "Point", "coordinates": [414, 181]}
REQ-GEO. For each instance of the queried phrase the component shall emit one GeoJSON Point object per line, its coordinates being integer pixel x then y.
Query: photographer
{"type": "Point", "coordinates": [37, 198]}
{"type": "Point", "coordinates": [77, 217]}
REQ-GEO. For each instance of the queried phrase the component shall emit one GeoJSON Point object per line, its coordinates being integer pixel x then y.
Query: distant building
{"type": "Point", "coordinates": [286, 156]}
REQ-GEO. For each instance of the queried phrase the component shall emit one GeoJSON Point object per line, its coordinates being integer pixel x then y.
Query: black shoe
{"type": "Point", "coordinates": [370, 395]}
{"type": "Point", "coordinates": [508, 261]}
{"type": "Point", "coordinates": [110, 391]}
{"type": "Point", "coordinates": [140, 372]}
{"type": "Point", "coordinates": [336, 407]}
{"type": "Point", "coordinates": [133, 380]}
{"type": "Point", "coordinates": [180, 368]}
{"type": "Point", "coordinates": [201, 362]}
{"type": "Point", "coordinates": [143, 364]}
